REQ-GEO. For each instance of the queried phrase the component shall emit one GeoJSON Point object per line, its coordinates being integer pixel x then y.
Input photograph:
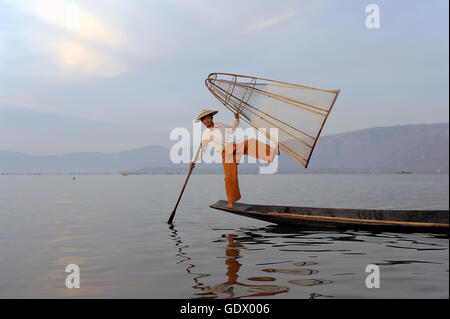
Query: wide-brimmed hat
{"type": "Point", "coordinates": [205, 112]}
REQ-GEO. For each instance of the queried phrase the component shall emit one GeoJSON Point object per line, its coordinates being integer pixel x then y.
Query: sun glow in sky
{"type": "Point", "coordinates": [111, 75]}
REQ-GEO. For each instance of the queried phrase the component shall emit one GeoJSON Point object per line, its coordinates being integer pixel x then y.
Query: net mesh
{"type": "Point", "coordinates": [299, 112]}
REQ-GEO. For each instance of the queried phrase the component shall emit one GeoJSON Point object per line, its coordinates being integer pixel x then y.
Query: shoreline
{"type": "Point", "coordinates": [240, 173]}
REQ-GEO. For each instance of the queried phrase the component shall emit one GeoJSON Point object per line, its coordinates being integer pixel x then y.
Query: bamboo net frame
{"type": "Point", "coordinates": [262, 105]}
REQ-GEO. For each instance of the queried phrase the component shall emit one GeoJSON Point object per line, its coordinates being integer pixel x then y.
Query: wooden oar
{"type": "Point", "coordinates": [182, 190]}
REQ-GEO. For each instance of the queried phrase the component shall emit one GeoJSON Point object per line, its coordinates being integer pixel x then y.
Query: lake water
{"type": "Point", "coordinates": [114, 228]}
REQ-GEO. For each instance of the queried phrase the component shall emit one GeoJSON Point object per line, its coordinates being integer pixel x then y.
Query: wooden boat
{"type": "Point", "coordinates": [435, 221]}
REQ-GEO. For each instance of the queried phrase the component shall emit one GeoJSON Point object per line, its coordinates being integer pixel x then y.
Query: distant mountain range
{"type": "Point", "coordinates": [407, 147]}
{"type": "Point", "coordinates": [419, 147]}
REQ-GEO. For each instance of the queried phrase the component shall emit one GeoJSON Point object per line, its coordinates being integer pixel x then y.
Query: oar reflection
{"type": "Point", "coordinates": [185, 258]}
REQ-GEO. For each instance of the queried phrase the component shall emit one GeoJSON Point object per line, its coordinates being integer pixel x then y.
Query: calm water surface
{"type": "Point", "coordinates": [114, 228]}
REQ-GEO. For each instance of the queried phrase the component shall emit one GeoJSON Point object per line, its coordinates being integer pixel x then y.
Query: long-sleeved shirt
{"type": "Point", "coordinates": [217, 137]}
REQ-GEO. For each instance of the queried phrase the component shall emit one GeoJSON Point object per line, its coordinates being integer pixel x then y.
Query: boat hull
{"type": "Point", "coordinates": [434, 221]}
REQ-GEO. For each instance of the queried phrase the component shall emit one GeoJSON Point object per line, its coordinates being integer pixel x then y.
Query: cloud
{"type": "Point", "coordinates": [266, 23]}
{"type": "Point", "coordinates": [79, 41]}
{"type": "Point", "coordinates": [74, 56]}
{"type": "Point", "coordinates": [76, 20]}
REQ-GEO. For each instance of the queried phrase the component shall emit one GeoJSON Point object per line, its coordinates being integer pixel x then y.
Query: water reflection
{"type": "Point", "coordinates": [235, 289]}
{"type": "Point", "coordinates": [321, 260]}
{"type": "Point", "coordinates": [98, 276]}
{"type": "Point", "coordinates": [310, 282]}
{"type": "Point", "coordinates": [315, 295]}
{"type": "Point", "coordinates": [303, 272]}
{"type": "Point", "coordinates": [185, 258]}
{"type": "Point", "coordinates": [232, 288]}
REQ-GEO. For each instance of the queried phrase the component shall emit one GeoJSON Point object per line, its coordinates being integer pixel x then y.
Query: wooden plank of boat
{"type": "Point", "coordinates": [409, 220]}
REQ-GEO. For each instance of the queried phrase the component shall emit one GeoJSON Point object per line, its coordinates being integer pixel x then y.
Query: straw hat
{"type": "Point", "coordinates": [204, 113]}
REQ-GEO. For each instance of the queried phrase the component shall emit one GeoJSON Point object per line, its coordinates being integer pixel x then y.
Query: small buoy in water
{"type": "Point", "coordinates": [73, 178]}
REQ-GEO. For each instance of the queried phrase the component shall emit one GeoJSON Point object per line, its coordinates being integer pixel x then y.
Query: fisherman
{"type": "Point", "coordinates": [219, 136]}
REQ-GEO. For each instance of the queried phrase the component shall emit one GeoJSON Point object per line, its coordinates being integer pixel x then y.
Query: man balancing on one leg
{"type": "Point", "coordinates": [218, 135]}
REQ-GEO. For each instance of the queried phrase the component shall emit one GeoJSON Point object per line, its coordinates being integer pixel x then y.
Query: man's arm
{"type": "Point", "coordinates": [199, 154]}
{"type": "Point", "coordinates": [235, 123]}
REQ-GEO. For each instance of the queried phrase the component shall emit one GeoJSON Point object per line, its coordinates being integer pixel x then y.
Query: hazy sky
{"type": "Point", "coordinates": [112, 75]}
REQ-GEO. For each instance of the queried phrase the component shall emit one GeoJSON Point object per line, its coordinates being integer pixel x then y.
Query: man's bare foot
{"type": "Point", "coordinates": [230, 205]}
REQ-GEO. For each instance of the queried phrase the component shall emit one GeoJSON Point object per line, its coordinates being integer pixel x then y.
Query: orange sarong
{"type": "Point", "coordinates": [231, 156]}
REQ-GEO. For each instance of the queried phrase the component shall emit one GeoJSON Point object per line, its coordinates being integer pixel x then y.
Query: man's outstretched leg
{"type": "Point", "coordinates": [253, 147]}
